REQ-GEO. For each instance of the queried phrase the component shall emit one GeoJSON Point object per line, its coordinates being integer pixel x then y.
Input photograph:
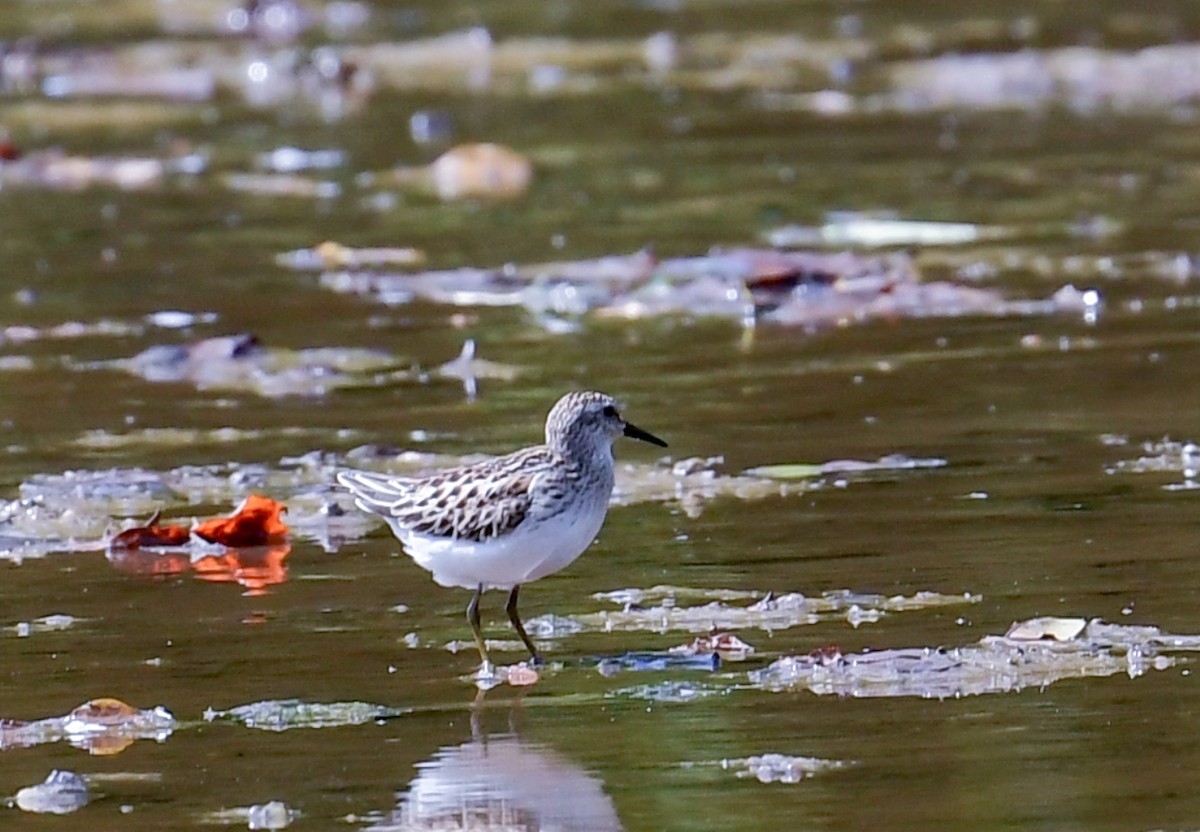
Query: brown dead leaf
{"type": "Point", "coordinates": [105, 711]}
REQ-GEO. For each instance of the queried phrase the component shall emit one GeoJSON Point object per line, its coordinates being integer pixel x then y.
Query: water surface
{"type": "Point", "coordinates": [1030, 414]}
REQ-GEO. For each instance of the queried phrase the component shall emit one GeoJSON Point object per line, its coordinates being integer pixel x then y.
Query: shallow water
{"type": "Point", "coordinates": [1034, 512]}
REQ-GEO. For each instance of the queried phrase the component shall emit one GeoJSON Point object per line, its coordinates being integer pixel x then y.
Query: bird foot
{"type": "Point", "coordinates": [486, 677]}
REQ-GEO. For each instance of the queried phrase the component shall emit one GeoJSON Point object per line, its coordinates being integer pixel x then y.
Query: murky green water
{"type": "Point", "coordinates": [1029, 412]}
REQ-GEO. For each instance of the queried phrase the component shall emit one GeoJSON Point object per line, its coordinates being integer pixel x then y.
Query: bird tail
{"type": "Point", "coordinates": [374, 492]}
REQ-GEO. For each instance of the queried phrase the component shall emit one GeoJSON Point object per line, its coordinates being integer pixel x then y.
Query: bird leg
{"type": "Point", "coordinates": [473, 620]}
{"type": "Point", "coordinates": [515, 618]}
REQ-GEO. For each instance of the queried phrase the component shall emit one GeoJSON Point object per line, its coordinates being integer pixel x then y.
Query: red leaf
{"type": "Point", "coordinates": [150, 535]}
{"type": "Point", "coordinates": [255, 523]}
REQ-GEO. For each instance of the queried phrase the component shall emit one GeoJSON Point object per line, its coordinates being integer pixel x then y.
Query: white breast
{"type": "Point", "coordinates": [531, 551]}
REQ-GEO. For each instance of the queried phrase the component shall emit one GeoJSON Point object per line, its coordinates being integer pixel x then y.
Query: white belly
{"type": "Point", "coordinates": [525, 554]}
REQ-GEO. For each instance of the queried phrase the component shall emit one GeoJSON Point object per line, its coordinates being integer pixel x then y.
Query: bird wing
{"type": "Point", "coordinates": [469, 503]}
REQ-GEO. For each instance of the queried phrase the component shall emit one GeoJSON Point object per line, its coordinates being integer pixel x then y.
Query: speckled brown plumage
{"type": "Point", "coordinates": [512, 519]}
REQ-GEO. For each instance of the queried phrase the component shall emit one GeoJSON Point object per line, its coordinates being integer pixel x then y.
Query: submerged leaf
{"type": "Point", "coordinates": [285, 714]}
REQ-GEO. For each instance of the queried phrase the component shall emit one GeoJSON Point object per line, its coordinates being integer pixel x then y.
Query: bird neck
{"type": "Point", "coordinates": [589, 455]}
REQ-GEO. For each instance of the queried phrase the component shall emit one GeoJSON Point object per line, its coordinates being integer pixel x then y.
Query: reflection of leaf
{"type": "Point", "coordinates": [255, 523]}
{"type": "Point", "coordinates": [787, 471]}
{"type": "Point", "coordinates": [254, 567]}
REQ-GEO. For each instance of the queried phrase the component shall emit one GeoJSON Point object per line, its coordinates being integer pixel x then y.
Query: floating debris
{"type": "Point", "coordinates": [282, 184]}
{"type": "Point", "coordinates": [1036, 629]}
{"type": "Point", "coordinates": [652, 662]}
{"type": "Point", "coordinates": [850, 228]}
{"type": "Point", "coordinates": [1082, 79]}
{"type": "Point", "coordinates": [662, 592]}
{"type": "Point", "coordinates": [331, 255]}
{"type": "Point", "coordinates": [45, 624]}
{"type": "Point", "coordinates": [674, 692]}
{"type": "Point", "coordinates": [781, 768]}
{"type": "Point", "coordinates": [104, 77]}
{"type": "Point", "coordinates": [560, 288]}
{"type": "Point", "coordinates": [891, 462]}
{"type": "Point", "coordinates": [286, 714]}
{"type": "Point", "coordinates": [178, 319]}
{"type": "Point", "coordinates": [101, 727]}
{"type": "Point", "coordinates": [294, 159]}
{"type": "Point", "coordinates": [21, 334]}
{"type": "Point", "coordinates": [1042, 652]}
{"type": "Point", "coordinates": [471, 171]}
{"type": "Point", "coordinates": [727, 646]}
{"type": "Point", "coordinates": [61, 793]}
{"type": "Point", "coordinates": [55, 170]}
{"type": "Point", "coordinates": [769, 613]}
{"type": "Point", "coordinates": [103, 440]}
{"type": "Point", "coordinates": [552, 626]}
{"type": "Point", "coordinates": [747, 285]}
{"type": "Point", "coordinates": [1163, 456]}
{"type": "Point", "coordinates": [242, 363]}
{"type": "Point", "coordinates": [273, 815]}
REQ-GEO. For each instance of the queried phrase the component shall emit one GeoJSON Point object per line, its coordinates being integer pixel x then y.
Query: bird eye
{"type": "Point", "coordinates": [610, 411]}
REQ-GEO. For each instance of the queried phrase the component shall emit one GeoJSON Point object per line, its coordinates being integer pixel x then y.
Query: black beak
{"type": "Point", "coordinates": [634, 432]}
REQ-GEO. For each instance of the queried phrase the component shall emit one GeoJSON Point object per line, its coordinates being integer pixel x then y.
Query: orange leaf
{"type": "Point", "coordinates": [255, 523]}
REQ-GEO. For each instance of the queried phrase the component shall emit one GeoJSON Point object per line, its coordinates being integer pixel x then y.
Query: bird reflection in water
{"type": "Point", "coordinates": [500, 782]}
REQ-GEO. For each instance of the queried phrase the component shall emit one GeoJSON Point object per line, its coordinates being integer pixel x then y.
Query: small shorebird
{"type": "Point", "coordinates": [506, 521]}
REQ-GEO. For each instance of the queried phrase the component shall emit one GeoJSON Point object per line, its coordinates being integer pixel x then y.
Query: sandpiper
{"type": "Point", "coordinates": [504, 522]}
